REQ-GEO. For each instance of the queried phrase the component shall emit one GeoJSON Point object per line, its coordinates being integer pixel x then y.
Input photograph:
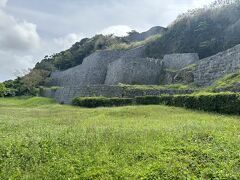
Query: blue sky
{"type": "Point", "coordinates": [31, 29]}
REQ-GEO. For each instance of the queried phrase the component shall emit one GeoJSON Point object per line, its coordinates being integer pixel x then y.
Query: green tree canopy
{"type": "Point", "coordinates": [3, 90]}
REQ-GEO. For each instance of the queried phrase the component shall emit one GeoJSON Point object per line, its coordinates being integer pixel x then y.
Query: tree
{"type": "Point", "coordinates": [34, 79]}
{"type": "Point", "coordinates": [3, 90]}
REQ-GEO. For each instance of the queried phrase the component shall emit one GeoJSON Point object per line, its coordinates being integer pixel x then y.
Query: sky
{"type": "Point", "coordinates": [31, 29]}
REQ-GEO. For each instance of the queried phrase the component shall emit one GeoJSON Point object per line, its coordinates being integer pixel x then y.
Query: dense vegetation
{"type": "Point", "coordinates": [43, 140]}
{"type": "Point", "coordinates": [225, 103]}
{"type": "Point", "coordinates": [206, 31]}
{"type": "Point", "coordinates": [28, 84]}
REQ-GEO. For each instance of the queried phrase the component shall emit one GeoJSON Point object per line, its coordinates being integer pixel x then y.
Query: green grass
{"type": "Point", "coordinates": [229, 82]}
{"type": "Point", "coordinates": [51, 141]}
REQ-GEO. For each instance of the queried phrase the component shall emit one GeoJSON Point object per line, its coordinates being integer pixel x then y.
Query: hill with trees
{"type": "Point", "coordinates": [205, 31]}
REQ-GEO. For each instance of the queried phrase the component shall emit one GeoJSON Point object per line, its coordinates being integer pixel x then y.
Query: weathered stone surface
{"type": "Point", "coordinates": [134, 71]}
{"type": "Point", "coordinates": [93, 70]}
{"type": "Point", "coordinates": [179, 61]}
{"type": "Point", "coordinates": [212, 68]}
{"type": "Point", "coordinates": [168, 77]}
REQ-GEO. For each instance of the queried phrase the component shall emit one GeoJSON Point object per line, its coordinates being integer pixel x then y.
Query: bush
{"type": "Point", "coordinates": [227, 103]}
{"type": "Point", "coordinates": [147, 100]}
{"type": "Point", "coordinates": [92, 102]}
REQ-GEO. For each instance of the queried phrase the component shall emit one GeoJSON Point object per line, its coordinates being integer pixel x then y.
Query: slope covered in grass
{"type": "Point", "coordinates": [230, 82]}
{"type": "Point", "coordinates": [59, 142]}
{"type": "Point", "coordinates": [26, 102]}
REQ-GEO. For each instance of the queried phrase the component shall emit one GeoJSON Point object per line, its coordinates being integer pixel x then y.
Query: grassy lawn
{"type": "Point", "coordinates": [40, 139]}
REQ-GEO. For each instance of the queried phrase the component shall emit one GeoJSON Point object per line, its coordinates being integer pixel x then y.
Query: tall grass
{"type": "Point", "coordinates": [52, 141]}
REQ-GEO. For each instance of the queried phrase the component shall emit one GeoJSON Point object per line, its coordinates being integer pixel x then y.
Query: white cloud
{"type": "Point", "coordinates": [67, 41]}
{"type": "Point", "coordinates": [3, 3]}
{"type": "Point", "coordinates": [11, 63]}
{"type": "Point", "coordinates": [201, 3]}
{"type": "Point", "coordinates": [17, 39]}
{"type": "Point", "coordinates": [118, 30]}
{"type": "Point", "coordinates": [17, 35]}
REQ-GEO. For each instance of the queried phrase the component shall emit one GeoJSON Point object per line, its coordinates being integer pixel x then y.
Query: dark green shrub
{"type": "Point", "coordinates": [120, 101]}
{"type": "Point", "coordinates": [92, 102]}
{"type": "Point", "coordinates": [147, 100]}
{"type": "Point", "coordinates": [228, 103]}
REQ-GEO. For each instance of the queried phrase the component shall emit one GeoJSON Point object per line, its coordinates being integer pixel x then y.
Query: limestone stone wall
{"type": "Point", "coordinates": [65, 95]}
{"type": "Point", "coordinates": [134, 71]}
{"type": "Point", "coordinates": [179, 61]}
{"type": "Point", "coordinates": [212, 68]}
{"type": "Point", "coordinates": [93, 70]}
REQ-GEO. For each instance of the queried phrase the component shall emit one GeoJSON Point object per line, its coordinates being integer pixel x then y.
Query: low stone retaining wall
{"type": "Point", "coordinates": [67, 94]}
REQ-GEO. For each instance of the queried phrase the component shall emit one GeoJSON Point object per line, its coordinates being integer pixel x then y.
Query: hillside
{"type": "Point", "coordinates": [205, 31]}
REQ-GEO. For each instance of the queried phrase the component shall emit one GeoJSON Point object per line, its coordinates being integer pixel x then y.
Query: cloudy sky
{"type": "Point", "coordinates": [31, 29]}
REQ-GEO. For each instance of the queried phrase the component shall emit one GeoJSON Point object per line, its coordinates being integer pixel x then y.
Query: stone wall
{"type": "Point", "coordinates": [67, 94]}
{"type": "Point", "coordinates": [212, 68]}
{"type": "Point", "coordinates": [103, 69]}
{"type": "Point", "coordinates": [179, 61]}
{"type": "Point", "coordinates": [93, 70]}
{"type": "Point", "coordinates": [48, 92]}
{"type": "Point", "coordinates": [134, 71]}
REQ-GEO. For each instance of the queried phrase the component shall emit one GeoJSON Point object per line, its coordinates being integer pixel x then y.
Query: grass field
{"type": "Point", "coordinates": [43, 140]}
